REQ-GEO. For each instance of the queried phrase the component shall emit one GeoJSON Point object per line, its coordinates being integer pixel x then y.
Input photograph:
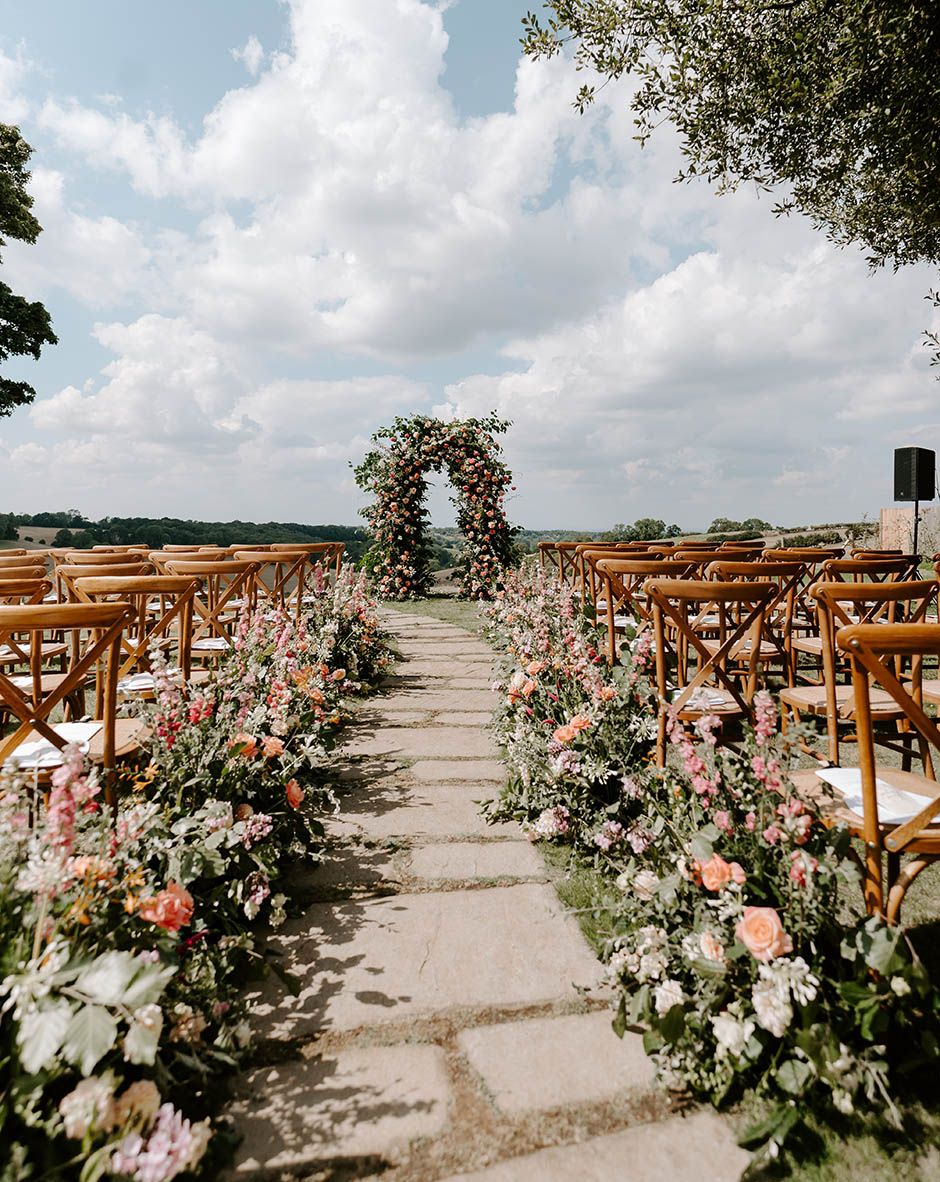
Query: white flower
{"type": "Point", "coordinates": [772, 1006]}
{"type": "Point", "coordinates": [731, 1033]}
{"type": "Point", "coordinates": [645, 884]}
{"type": "Point", "coordinates": [843, 1101]}
{"type": "Point", "coordinates": [711, 947]}
{"type": "Point", "coordinates": [667, 995]}
{"type": "Point", "coordinates": [793, 976]}
{"type": "Point", "coordinates": [89, 1106]}
{"type": "Point", "coordinates": [143, 1035]}
{"type": "Point", "coordinates": [900, 987]}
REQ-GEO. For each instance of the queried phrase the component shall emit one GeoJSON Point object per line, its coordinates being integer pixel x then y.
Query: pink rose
{"type": "Point", "coordinates": [294, 794]}
{"type": "Point", "coordinates": [171, 909]}
{"type": "Point", "coordinates": [762, 934]}
{"type": "Point", "coordinates": [271, 747]}
{"type": "Point", "coordinates": [717, 873]}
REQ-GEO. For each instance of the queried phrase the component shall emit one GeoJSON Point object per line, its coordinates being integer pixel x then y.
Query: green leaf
{"type": "Point", "coordinates": [90, 1035]}
{"type": "Point", "coordinates": [701, 848]}
{"type": "Point", "coordinates": [794, 1075]}
{"type": "Point", "coordinates": [106, 979]}
{"type": "Point", "coordinates": [619, 1023]}
{"type": "Point", "coordinates": [673, 1024]}
{"type": "Point", "coordinates": [148, 985]}
{"type": "Point", "coordinates": [40, 1035]}
{"type": "Point", "coordinates": [776, 1124]}
{"type": "Point", "coordinates": [709, 968]}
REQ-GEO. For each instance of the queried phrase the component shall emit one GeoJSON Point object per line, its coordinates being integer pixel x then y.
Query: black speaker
{"type": "Point", "coordinates": [914, 474]}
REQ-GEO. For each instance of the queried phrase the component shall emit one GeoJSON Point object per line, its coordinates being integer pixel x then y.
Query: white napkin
{"type": "Point", "coordinates": [895, 806]}
{"type": "Point", "coordinates": [40, 753]}
{"type": "Point", "coordinates": [136, 683]}
{"type": "Point", "coordinates": [212, 644]}
{"type": "Point", "coordinates": [702, 699]}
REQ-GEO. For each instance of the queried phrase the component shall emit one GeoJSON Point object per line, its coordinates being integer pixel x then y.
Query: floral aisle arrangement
{"type": "Point", "coordinates": [734, 945]}
{"type": "Point", "coordinates": [395, 473]}
{"type": "Point", "coordinates": [128, 935]}
{"type": "Point", "coordinates": [572, 729]}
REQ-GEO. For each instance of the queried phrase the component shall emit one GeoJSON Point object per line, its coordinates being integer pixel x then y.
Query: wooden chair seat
{"type": "Point", "coordinates": [811, 699]}
{"type": "Point", "coordinates": [767, 650]}
{"type": "Point", "coordinates": [129, 734]}
{"type": "Point", "coordinates": [706, 702]}
{"type": "Point", "coordinates": [50, 650]}
{"type": "Point", "coordinates": [808, 644]}
{"type": "Point", "coordinates": [927, 841]}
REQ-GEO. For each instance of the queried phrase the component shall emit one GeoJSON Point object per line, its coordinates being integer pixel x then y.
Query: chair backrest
{"type": "Point", "coordinates": [162, 558]}
{"type": "Point", "coordinates": [624, 592]}
{"type": "Point", "coordinates": [587, 554]}
{"type": "Point", "coordinates": [876, 570]}
{"type": "Point", "coordinates": [105, 622]}
{"type": "Point", "coordinates": [875, 652]}
{"type": "Point", "coordinates": [326, 553]}
{"type": "Point", "coordinates": [96, 558]}
{"type": "Point", "coordinates": [224, 589]}
{"type": "Point", "coordinates": [566, 555]}
{"type": "Point", "coordinates": [786, 576]}
{"type": "Point", "coordinates": [19, 558]}
{"type": "Point", "coordinates": [33, 571]}
{"type": "Point", "coordinates": [739, 609]}
{"type": "Point", "coordinates": [23, 590]}
{"type": "Point", "coordinates": [66, 575]}
{"type": "Point", "coordinates": [163, 611]}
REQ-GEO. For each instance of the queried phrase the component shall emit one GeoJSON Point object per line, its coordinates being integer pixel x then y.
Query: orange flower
{"type": "Point", "coordinates": [534, 668]}
{"type": "Point", "coordinates": [717, 873]}
{"type": "Point", "coordinates": [565, 734]}
{"type": "Point", "coordinates": [247, 743]}
{"type": "Point", "coordinates": [294, 794]}
{"type": "Point", "coordinates": [607, 693]}
{"type": "Point", "coordinates": [762, 934]}
{"type": "Point", "coordinates": [529, 688]}
{"type": "Point", "coordinates": [171, 909]}
{"type": "Point", "coordinates": [580, 722]}
{"type": "Point", "coordinates": [271, 747]}
{"type": "Point", "coordinates": [339, 674]}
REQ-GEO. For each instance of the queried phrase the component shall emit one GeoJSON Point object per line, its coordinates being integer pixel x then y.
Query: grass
{"type": "Point", "coordinates": [462, 613]}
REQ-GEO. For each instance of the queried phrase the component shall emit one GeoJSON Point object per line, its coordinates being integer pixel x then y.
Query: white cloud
{"type": "Point", "coordinates": [667, 351]}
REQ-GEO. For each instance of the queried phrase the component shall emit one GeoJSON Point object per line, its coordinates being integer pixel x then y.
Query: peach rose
{"type": "Point", "coordinates": [271, 747]}
{"type": "Point", "coordinates": [339, 674]}
{"type": "Point", "coordinates": [171, 909]}
{"type": "Point", "coordinates": [762, 934]}
{"type": "Point", "coordinates": [248, 744]}
{"type": "Point", "coordinates": [580, 722]}
{"type": "Point", "coordinates": [607, 693]}
{"type": "Point", "coordinates": [529, 688]}
{"type": "Point", "coordinates": [717, 873]}
{"type": "Point", "coordinates": [243, 812]}
{"type": "Point", "coordinates": [534, 668]}
{"type": "Point", "coordinates": [294, 793]}
{"type": "Point", "coordinates": [564, 734]}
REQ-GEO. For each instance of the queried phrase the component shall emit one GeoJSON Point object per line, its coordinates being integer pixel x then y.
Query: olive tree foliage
{"type": "Point", "coordinates": [25, 326]}
{"type": "Point", "coordinates": [834, 102]}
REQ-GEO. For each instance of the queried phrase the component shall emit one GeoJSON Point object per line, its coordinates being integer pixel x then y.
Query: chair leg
{"type": "Point", "coordinates": [902, 882]}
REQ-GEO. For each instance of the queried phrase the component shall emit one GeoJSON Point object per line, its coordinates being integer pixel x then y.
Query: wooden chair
{"type": "Point", "coordinates": [96, 558]}
{"type": "Point", "coordinates": [566, 555]}
{"type": "Point", "coordinates": [115, 738]}
{"type": "Point", "coordinates": [326, 553]}
{"type": "Point", "coordinates": [161, 559]}
{"type": "Point", "coordinates": [775, 644]}
{"type": "Point", "coordinates": [842, 605]}
{"type": "Point", "coordinates": [713, 689]}
{"type": "Point", "coordinates": [224, 589]}
{"type": "Point", "coordinates": [624, 596]}
{"type": "Point", "coordinates": [874, 653]}
{"type": "Point", "coordinates": [163, 617]}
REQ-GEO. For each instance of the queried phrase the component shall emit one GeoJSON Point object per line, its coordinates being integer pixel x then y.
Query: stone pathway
{"type": "Point", "coordinates": [447, 1024]}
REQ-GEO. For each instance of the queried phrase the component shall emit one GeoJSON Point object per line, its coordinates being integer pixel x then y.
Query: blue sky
{"type": "Point", "coordinates": [271, 226]}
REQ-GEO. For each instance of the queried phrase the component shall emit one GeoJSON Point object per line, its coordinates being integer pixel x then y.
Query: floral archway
{"type": "Point", "coordinates": [395, 472]}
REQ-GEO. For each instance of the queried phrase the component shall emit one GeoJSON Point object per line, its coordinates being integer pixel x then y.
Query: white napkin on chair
{"type": "Point", "coordinates": [40, 753]}
{"type": "Point", "coordinates": [895, 806]}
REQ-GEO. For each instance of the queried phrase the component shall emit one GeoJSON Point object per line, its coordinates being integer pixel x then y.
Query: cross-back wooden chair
{"type": "Point", "coordinates": [281, 576]}
{"type": "Point", "coordinates": [20, 559]}
{"type": "Point", "coordinates": [841, 605]}
{"type": "Point", "coordinates": [698, 560]}
{"type": "Point", "coordinates": [624, 596]}
{"type": "Point", "coordinates": [33, 710]}
{"type": "Point", "coordinates": [868, 802]}
{"type": "Point", "coordinates": [22, 593]}
{"type": "Point", "coordinates": [327, 554]}
{"type": "Point", "coordinates": [548, 556]}
{"type": "Point", "coordinates": [713, 688]}
{"type": "Point", "coordinates": [23, 570]}
{"type": "Point", "coordinates": [566, 555]}
{"type": "Point", "coordinates": [224, 589]}
{"type": "Point", "coordinates": [163, 617]}
{"type": "Point", "coordinates": [587, 554]}
{"type": "Point", "coordinates": [775, 644]}
{"type": "Point", "coordinates": [593, 593]}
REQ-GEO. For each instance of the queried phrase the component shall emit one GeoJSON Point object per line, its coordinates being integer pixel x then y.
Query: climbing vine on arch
{"type": "Point", "coordinates": [395, 473]}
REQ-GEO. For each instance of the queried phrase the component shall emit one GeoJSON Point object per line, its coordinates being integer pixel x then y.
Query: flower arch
{"type": "Point", "coordinates": [395, 473]}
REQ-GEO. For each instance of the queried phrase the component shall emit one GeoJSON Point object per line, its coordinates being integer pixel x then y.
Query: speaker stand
{"type": "Point", "coordinates": [916, 524]}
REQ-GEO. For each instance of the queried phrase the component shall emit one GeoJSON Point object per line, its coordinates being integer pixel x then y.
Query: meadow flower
{"type": "Point", "coordinates": [610, 833]}
{"type": "Point", "coordinates": [173, 1146]}
{"type": "Point", "coordinates": [716, 873]}
{"type": "Point", "coordinates": [731, 1033]}
{"type": "Point", "coordinates": [771, 1001]}
{"type": "Point", "coordinates": [553, 822]}
{"type": "Point", "coordinates": [644, 884]}
{"type": "Point", "coordinates": [171, 909]}
{"type": "Point", "coordinates": [89, 1107]}
{"type": "Point", "coordinates": [667, 995]}
{"type": "Point", "coordinates": [294, 794]}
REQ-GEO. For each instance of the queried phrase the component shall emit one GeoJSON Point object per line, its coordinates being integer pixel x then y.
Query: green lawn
{"type": "Point", "coordinates": [463, 613]}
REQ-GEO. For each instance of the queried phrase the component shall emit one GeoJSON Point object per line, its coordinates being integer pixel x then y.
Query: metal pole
{"type": "Point", "coordinates": [916, 523]}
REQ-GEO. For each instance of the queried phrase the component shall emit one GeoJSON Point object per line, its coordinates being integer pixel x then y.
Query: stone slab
{"type": "Point", "coordinates": [378, 714]}
{"type": "Point", "coordinates": [343, 866]}
{"type": "Point", "coordinates": [457, 860]}
{"type": "Point", "coordinates": [385, 960]}
{"type": "Point", "coordinates": [696, 1148]}
{"type": "Point", "coordinates": [477, 718]}
{"type": "Point", "coordinates": [481, 771]}
{"type": "Point", "coordinates": [472, 682]}
{"type": "Point", "coordinates": [438, 699]}
{"type": "Point", "coordinates": [423, 743]}
{"type": "Point", "coordinates": [417, 811]}
{"type": "Point", "coordinates": [452, 668]}
{"type": "Point", "coordinates": [445, 648]}
{"type": "Point", "coordinates": [553, 1062]}
{"type": "Point", "coordinates": [354, 1104]}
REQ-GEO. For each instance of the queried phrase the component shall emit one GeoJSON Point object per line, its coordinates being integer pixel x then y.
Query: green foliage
{"type": "Point", "coordinates": [750, 525]}
{"type": "Point", "coordinates": [25, 326]}
{"type": "Point", "coordinates": [644, 529]}
{"type": "Point", "coordinates": [834, 102]}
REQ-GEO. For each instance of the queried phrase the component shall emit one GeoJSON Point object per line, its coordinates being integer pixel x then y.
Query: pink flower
{"type": "Point", "coordinates": [717, 873]}
{"type": "Point", "coordinates": [247, 744]}
{"type": "Point", "coordinates": [294, 794]}
{"type": "Point", "coordinates": [802, 866]}
{"type": "Point", "coordinates": [762, 934]}
{"type": "Point", "coordinates": [723, 820]}
{"type": "Point", "coordinates": [272, 747]}
{"type": "Point", "coordinates": [171, 909]}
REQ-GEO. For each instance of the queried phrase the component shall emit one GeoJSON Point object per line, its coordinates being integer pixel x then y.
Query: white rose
{"type": "Point", "coordinates": [645, 884]}
{"type": "Point", "coordinates": [667, 995]}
